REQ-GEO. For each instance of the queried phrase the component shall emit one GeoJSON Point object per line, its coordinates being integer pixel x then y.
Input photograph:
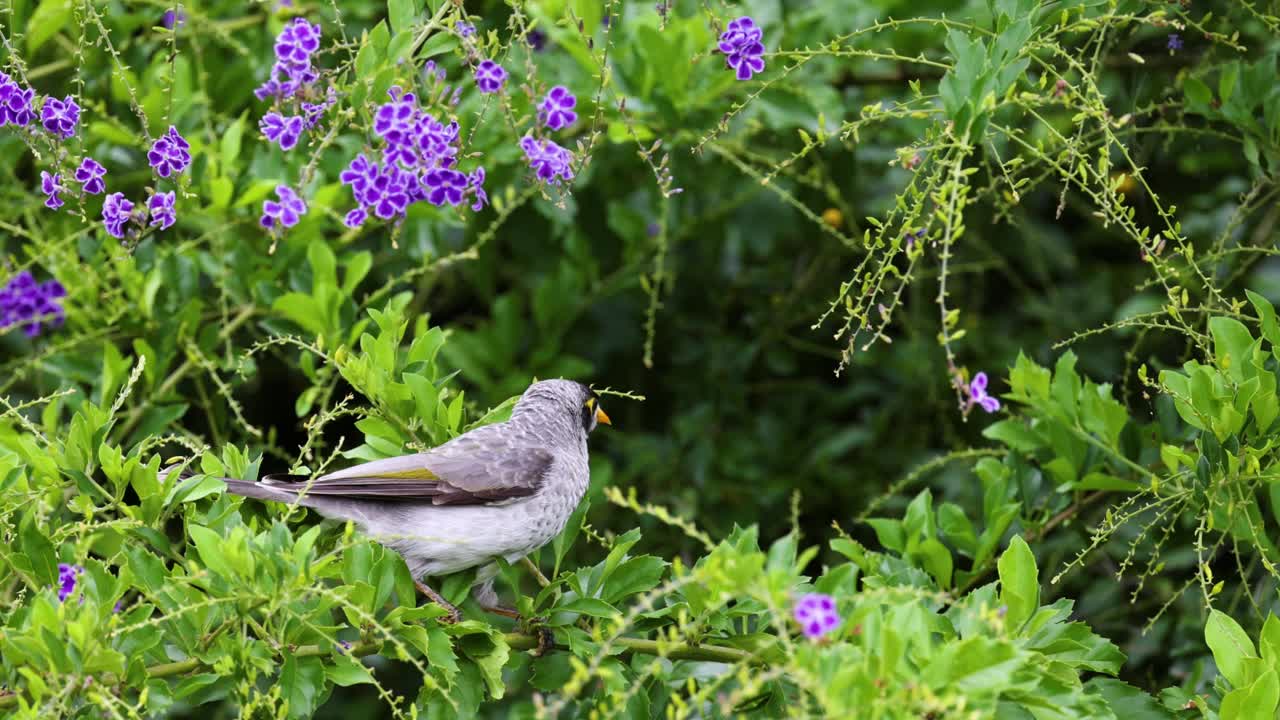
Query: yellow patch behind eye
{"type": "Point", "coordinates": [590, 403]}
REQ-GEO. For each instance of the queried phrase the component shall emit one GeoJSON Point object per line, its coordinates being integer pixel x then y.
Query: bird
{"type": "Point", "coordinates": [499, 491]}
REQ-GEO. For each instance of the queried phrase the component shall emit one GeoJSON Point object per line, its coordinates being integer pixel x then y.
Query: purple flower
{"type": "Point", "coordinates": [51, 185]}
{"type": "Point", "coordinates": [548, 160]}
{"type": "Point", "coordinates": [67, 575]}
{"type": "Point", "coordinates": [312, 112]}
{"type": "Point", "coordinates": [445, 186]}
{"type": "Point", "coordinates": [356, 217]}
{"type": "Point", "coordinates": [465, 29]}
{"type": "Point", "coordinates": [490, 76]}
{"type": "Point", "coordinates": [89, 175]}
{"type": "Point", "coordinates": [475, 187]}
{"type": "Point", "coordinates": [1175, 42]}
{"type": "Point", "coordinates": [25, 302]}
{"type": "Point", "coordinates": [817, 615]}
{"type": "Point", "coordinates": [169, 154]}
{"type": "Point", "coordinates": [556, 110]}
{"type": "Point", "coordinates": [978, 394]}
{"type": "Point", "coordinates": [742, 48]}
{"type": "Point", "coordinates": [536, 39]}
{"type": "Point", "coordinates": [286, 212]}
{"type": "Point", "coordinates": [60, 117]}
{"type": "Point", "coordinates": [294, 46]}
{"type": "Point", "coordinates": [161, 207]}
{"type": "Point", "coordinates": [116, 211]}
{"type": "Point", "coordinates": [388, 195]}
{"type": "Point", "coordinates": [436, 142]}
{"type": "Point", "coordinates": [393, 121]}
{"type": "Point", "coordinates": [360, 173]}
{"type": "Point", "coordinates": [15, 102]}
{"type": "Point", "coordinates": [173, 18]}
{"type": "Point", "coordinates": [280, 129]}
{"type": "Point", "coordinates": [296, 42]}
{"type": "Point", "coordinates": [912, 237]}
{"type": "Point", "coordinates": [118, 606]}
{"type": "Point", "coordinates": [285, 81]}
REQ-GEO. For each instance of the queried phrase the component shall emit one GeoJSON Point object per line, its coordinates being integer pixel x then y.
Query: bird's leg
{"type": "Point", "coordinates": [455, 615]}
{"type": "Point", "coordinates": [546, 640]}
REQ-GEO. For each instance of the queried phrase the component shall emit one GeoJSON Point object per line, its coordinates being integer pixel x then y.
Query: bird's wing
{"type": "Point", "coordinates": [482, 466]}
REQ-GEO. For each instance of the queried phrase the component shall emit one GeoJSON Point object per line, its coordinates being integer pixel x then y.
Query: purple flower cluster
{"type": "Point", "coordinates": [286, 212]}
{"type": "Point", "coordinates": [978, 394]}
{"type": "Point", "coordinates": [15, 102]}
{"type": "Point", "coordinates": [51, 185]}
{"type": "Point", "coordinates": [60, 117]}
{"type": "Point", "coordinates": [23, 301]}
{"type": "Point", "coordinates": [67, 575]}
{"type": "Point", "coordinates": [418, 163]}
{"type": "Point", "coordinates": [89, 175]}
{"type": "Point", "coordinates": [556, 109]}
{"type": "Point", "coordinates": [465, 29]}
{"type": "Point", "coordinates": [312, 112]}
{"type": "Point", "coordinates": [295, 45]}
{"type": "Point", "coordinates": [281, 129]}
{"type": "Point", "coordinates": [170, 154]}
{"type": "Point", "coordinates": [490, 76]}
{"type": "Point", "coordinates": [817, 615]}
{"type": "Point", "coordinates": [1175, 42]}
{"type": "Point", "coordinates": [550, 162]}
{"type": "Point", "coordinates": [161, 208]}
{"type": "Point", "coordinates": [742, 48]}
{"type": "Point", "coordinates": [116, 212]}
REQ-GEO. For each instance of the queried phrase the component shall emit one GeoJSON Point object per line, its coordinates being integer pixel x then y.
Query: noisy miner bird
{"type": "Point", "coordinates": [498, 491]}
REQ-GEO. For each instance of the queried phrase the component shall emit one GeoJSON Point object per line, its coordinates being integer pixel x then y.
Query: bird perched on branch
{"type": "Point", "coordinates": [498, 491]}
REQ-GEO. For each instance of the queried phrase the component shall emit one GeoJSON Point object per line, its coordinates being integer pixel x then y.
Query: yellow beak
{"type": "Point", "coordinates": [602, 417]}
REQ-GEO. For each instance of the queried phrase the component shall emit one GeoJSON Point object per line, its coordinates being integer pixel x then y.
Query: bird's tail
{"type": "Point", "coordinates": [256, 490]}
{"type": "Point", "coordinates": [261, 491]}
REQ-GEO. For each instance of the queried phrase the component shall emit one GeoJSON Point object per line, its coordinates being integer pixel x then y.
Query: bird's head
{"type": "Point", "coordinates": [567, 399]}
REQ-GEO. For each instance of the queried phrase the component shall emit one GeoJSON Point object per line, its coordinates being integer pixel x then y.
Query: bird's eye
{"type": "Point", "coordinates": [589, 414]}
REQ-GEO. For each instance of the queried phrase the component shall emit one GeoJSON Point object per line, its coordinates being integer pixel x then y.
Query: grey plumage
{"type": "Point", "coordinates": [499, 491]}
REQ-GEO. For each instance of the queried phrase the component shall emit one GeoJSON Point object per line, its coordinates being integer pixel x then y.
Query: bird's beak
{"type": "Point", "coordinates": [601, 416]}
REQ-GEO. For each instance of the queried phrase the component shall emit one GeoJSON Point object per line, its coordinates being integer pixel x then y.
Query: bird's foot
{"type": "Point", "coordinates": [454, 615]}
{"type": "Point", "coordinates": [534, 626]}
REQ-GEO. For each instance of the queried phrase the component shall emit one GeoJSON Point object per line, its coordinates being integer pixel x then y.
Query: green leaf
{"type": "Point", "coordinates": [1015, 434]}
{"type": "Point", "coordinates": [301, 309]}
{"type": "Point", "coordinates": [635, 575]}
{"type": "Point", "coordinates": [1231, 343]}
{"type": "Point", "coordinates": [889, 533]}
{"type": "Point", "coordinates": [1231, 647]}
{"type": "Point", "coordinates": [347, 671]}
{"type": "Point", "coordinates": [1257, 702]}
{"type": "Point", "coordinates": [956, 527]}
{"type": "Point", "coordinates": [402, 14]}
{"type": "Point", "coordinates": [1019, 583]}
{"type": "Point", "coordinates": [1199, 96]}
{"type": "Point", "coordinates": [209, 546]}
{"type": "Point", "coordinates": [1269, 641]}
{"type": "Point", "coordinates": [1127, 701]}
{"type": "Point", "coordinates": [301, 683]}
{"type": "Point", "coordinates": [589, 606]}
{"type": "Point", "coordinates": [229, 145]}
{"type": "Point", "coordinates": [48, 20]}
{"type": "Point", "coordinates": [1267, 317]}
{"type": "Point", "coordinates": [974, 664]}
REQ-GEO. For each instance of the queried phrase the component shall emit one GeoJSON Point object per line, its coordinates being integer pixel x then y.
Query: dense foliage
{"type": "Point", "coordinates": [939, 340]}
